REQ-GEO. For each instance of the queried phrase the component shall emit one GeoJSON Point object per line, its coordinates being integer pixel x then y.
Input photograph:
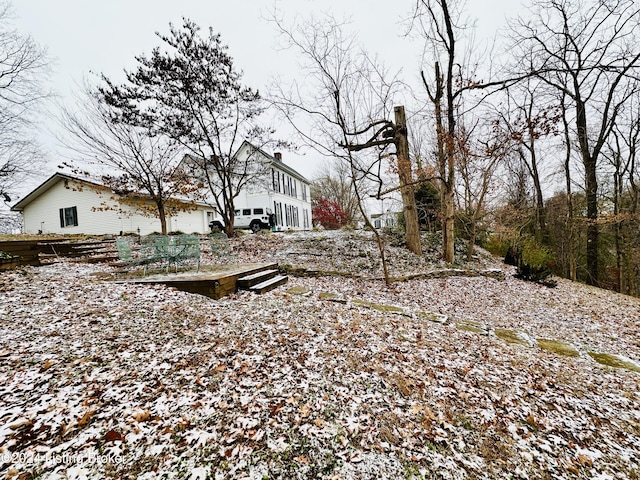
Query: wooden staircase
{"type": "Point", "coordinates": [255, 277]}
{"type": "Point", "coordinates": [262, 281]}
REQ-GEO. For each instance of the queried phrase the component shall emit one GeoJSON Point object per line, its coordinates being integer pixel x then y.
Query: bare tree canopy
{"type": "Point", "coordinates": [131, 160]}
{"type": "Point", "coordinates": [530, 117]}
{"type": "Point", "coordinates": [22, 66]}
{"type": "Point", "coordinates": [333, 184]}
{"type": "Point", "coordinates": [587, 52]}
{"type": "Point", "coordinates": [343, 109]}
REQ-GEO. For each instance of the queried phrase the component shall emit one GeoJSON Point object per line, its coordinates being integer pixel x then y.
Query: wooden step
{"type": "Point", "coordinates": [249, 281]}
{"type": "Point", "coordinates": [270, 284]}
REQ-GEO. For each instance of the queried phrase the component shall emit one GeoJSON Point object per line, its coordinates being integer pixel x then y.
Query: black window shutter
{"type": "Point", "coordinates": [62, 218]}
{"type": "Point", "coordinates": [75, 216]}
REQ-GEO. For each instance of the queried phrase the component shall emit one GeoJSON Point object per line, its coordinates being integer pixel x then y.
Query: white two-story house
{"type": "Point", "coordinates": [277, 198]}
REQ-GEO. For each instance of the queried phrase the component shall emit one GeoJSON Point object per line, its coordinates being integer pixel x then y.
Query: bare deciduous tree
{"type": "Point", "coordinates": [436, 22]}
{"type": "Point", "coordinates": [131, 160]}
{"type": "Point", "coordinates": [480, 149]}
{"type": "Point", "coordinates": [621, 153]}
{"type": "Point", "coordinates": [588, 52]}
{"type": "Point", "coordinates": [342, 106]}
{"type": "Point", "coordinates": [449, 78]}
{"type": "Point", "coordinates": [22, 66]}
{"type": "Point", "coordinates": [529, 118]}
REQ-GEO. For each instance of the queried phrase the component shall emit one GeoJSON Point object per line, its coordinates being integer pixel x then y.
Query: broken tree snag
{"type": "Point", "coordinates": [405, 177]}
{"type": "Point", "coordinates": [384, 129]}
{"type": "Point", "coordinates": [388, 133]}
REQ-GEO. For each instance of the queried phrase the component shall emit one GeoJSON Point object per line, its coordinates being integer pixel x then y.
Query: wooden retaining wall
{"type": "Point", "coordinates": [31, 252]}
{"type": "Point", "coordinates": [23, 252]}
{"type": "Point", "coordinates": [65, 248]}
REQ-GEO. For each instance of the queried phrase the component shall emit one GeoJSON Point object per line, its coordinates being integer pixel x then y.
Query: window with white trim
{"type": "Point", "coordinates": [305, 218]}
{"type": "Point", "coordinates": [68, 217]}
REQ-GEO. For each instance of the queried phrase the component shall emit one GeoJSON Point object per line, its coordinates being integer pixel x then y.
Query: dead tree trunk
{"type": "Point", "coordinates": [405, 176]}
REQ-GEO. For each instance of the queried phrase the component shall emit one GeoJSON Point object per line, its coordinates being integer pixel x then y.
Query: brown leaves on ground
{"type": "Point", "coordinates": [148, 382]}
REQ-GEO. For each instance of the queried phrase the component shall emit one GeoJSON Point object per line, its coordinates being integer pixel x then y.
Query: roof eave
{"type": "Point", "coordinates": [36, 192]}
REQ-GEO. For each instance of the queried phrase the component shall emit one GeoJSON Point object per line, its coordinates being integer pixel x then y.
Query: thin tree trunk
{"type": "Point", "coordinates": [472, 239]}
{"type": "Point", "coordinates": [617, 197]}
{"type": "Point", "coordinates": [541, 221]}
{"type": "Point", "coordinates": [591, 193]}
{"type": "Point", "coordinates": [162, 215]}
{"type": "Point", "coordinates": [448, 234]}
{"type": "Point", "coordinates": [367, 222]}
{"type": "Point", "coordinates": [593, 230]}
{"type": "Point", "coordinates": [569, 221]}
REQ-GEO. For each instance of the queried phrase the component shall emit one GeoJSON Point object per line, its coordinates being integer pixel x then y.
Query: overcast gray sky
{"type": "Point", "coordinates": [84, 36]}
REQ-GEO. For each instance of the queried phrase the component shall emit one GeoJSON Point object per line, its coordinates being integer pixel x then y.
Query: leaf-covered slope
{"type": "Point", "coordinates": [148, 382]}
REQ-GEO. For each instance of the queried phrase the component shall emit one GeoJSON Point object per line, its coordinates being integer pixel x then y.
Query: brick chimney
{"type": "Point", "coordinates": [278, 156]}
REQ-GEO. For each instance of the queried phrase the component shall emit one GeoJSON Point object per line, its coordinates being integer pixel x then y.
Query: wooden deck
{"type": "Point", "coordinates": [215, 284]}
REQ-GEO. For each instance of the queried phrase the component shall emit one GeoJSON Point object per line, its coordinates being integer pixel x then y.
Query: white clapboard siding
{"type": "Point", "coordinates": [99, 213]}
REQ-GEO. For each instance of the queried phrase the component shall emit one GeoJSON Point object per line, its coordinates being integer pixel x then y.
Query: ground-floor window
{"type": "Point", "coordinates": [277, 208]}
{"type": "Point", "coordinates": [305, 218]}
{"type": "Point", "coordinates": [295, 220]}
{"type": "Point", "coordinates": [69, 217]}
{"type": "Point", "coordinates": [289, 215]}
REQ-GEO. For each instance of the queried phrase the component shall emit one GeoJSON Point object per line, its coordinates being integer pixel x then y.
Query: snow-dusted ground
{"type": "Point", "coordinates": [109, 380]}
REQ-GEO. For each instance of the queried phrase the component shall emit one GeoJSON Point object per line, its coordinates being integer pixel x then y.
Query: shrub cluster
{"type": "Point", "coordinates": [533, 262]}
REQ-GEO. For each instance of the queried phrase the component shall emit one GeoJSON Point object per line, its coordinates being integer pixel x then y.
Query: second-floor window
{"type": "Point", "coordinates": [282, 183]}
